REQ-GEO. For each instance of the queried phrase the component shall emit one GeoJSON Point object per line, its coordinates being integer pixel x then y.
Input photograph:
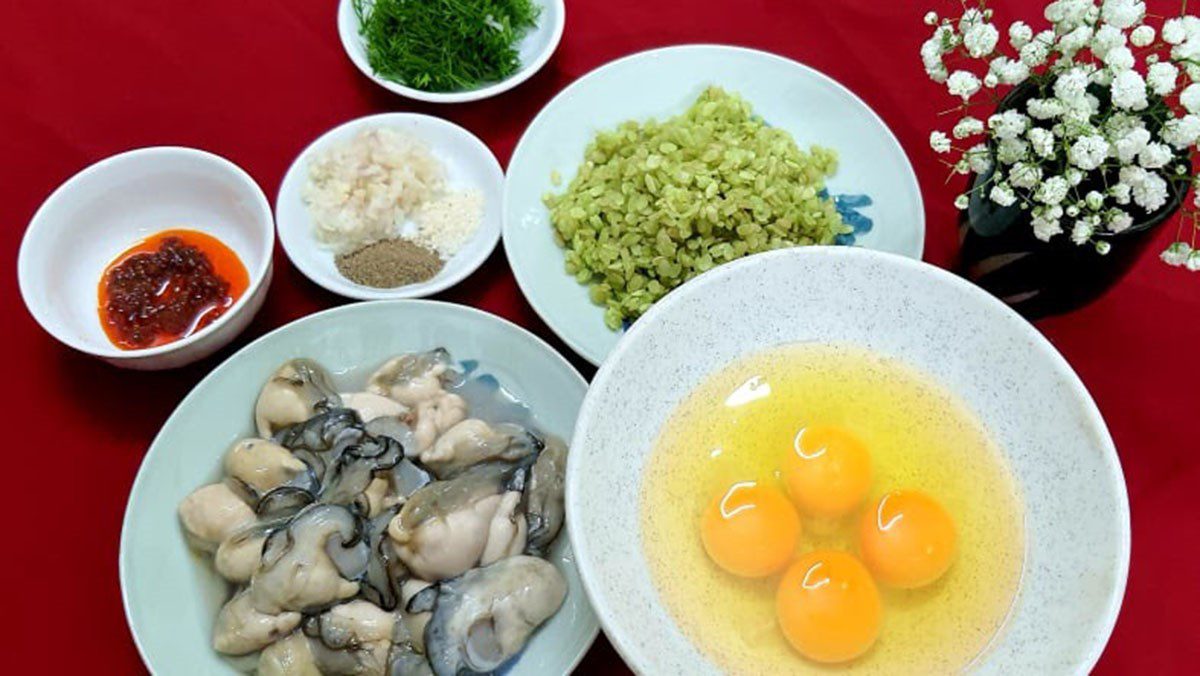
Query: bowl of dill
{"type": "Point", "coordinates": [450, 51]}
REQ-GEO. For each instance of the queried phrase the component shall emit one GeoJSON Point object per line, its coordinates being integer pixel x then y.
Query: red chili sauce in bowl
{"type": "Point", "coordinates": [167, 287]}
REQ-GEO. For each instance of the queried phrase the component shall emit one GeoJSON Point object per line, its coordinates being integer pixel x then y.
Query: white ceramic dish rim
{"type": "Point", "coordinates": [182, 405]}
{"type": "Point", "coordinates": [542, 312]}
{"type": "Point", "coordinates": [439, 283]}
{"type": "Point", "coordinates": [488, 91]}
{"type": "Point", "coordinates": [584, 559]}
{"type": "Point", "coordinates": [257, 276]}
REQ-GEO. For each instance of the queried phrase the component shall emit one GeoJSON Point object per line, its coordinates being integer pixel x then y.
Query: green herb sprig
{"type": "Point", "coordinates": [444, 45]}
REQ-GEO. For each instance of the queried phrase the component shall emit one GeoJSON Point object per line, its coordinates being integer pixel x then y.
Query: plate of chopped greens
{"type": "Point", "coordinates": [662, 165]}
{"type": "Point", "coordinates": [450, 51]}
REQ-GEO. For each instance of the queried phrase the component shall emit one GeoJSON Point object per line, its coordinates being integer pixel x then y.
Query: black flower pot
{"type": "Point", "coordinates": [1000, 253]}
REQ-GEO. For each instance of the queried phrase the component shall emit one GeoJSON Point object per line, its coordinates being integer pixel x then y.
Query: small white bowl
{"type": "Point", "coordinates": [469, 164]}
{"type": "Point", "coordinates": [111, 205]}
{"type": "Point", "coordinates": [1077, 532]}
{"type": "Point", "coordinates": [535, 50]}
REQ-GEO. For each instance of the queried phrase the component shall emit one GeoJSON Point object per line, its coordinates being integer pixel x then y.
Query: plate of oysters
{"type": "Point", "coordinates": [374, 489]}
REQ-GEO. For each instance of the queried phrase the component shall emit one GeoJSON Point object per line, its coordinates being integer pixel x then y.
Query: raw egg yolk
{"type": "Point", "coordinates": [750, 530]}
{"type": "Point", "coordinates": [827, 471]}
{"type": "Point", "coordinates": [828, 606]}
{"type": "Point", "coordinates": [907, 539]}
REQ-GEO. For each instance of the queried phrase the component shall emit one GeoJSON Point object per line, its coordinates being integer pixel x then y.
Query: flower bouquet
{"type": "Point", "coordinates": [1085, 147]}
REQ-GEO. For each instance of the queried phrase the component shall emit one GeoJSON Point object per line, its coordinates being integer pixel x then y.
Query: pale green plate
{"type": "Point", "coordinates": [172, 595]}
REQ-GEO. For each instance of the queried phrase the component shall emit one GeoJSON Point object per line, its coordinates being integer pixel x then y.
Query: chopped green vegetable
{"type": "Point", "coordinates": [444, 45]}
{"type": "Point", "coordinates": [657, 203]}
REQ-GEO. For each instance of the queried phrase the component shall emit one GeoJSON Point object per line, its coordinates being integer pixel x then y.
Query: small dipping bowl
{"type": "Point", "coordinates": [108, 207]}
{"type": "Point", "coordinates": [534, 50]}
{"type": "Point", "coordinates": [469, 164]}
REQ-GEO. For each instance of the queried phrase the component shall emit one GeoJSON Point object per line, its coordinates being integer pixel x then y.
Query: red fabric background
{"type": "Point", "coordinates": [256, 81]}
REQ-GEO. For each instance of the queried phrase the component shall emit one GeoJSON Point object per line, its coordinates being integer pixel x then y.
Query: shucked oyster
{"type": "Point", "coordinates": [449, 527]}
{"type": "Point", "coordinates": [473, 441]}
{"type": "Point", "coordinates": [414, 378]}
{"type": "Point", "coordinates": [544, 497]}
{"type": "Point", "coordinates": [297, 390]}
{"type": "Point", "coordinates": [483, 618]}
{"type": "Point", "coordinates": [312, 563]}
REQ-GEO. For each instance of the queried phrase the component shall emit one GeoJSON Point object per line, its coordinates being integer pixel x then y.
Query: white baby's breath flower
{"type": "Point", "coordinates": [931, 18]}
{"type": "Point", "coordinates": [1081, 233]}
{"type": "Point", "coordinates": [990, 80]}
{"type": "Point", "coordinates": [1173, 31]}
{"type": "Point", "coordinates": [1190, 98]}
{"type": "Point", "coordinates": [1106, 38]}
{"type": "Point", "coordinates": [980, 39]}
{"type": "Point", "coordinates": [1142, 36]}
{"type": "Point", "coordinates": [1037, 50]}
{"type": "Point", "coordinates": [1073, 175]}
{"type": "Point", "coordinates": [1129, 91]}
{"type": "Point", "coordinates": [1155, 156]}
{"type": "Point", "coordinates": [1193, 261]}
{"type": "Point", "coordinates": [1009, 71]}
{"type": "Point", "coordinates": [1071, 86]}
{"type": "Point", "coordinates": [1088, 152]}
{"type": "Point", "coordinates": [968, 126]}
{"type": "Point", "coordinates": [962, 202]}
{"type": "Point", "coordinates": [1177, 254]}
{"type": "Point", "coordinates": [963, 84]}
{"type": "Point", "coordinates": [1118, 220]}
{"type": "Point", "coordinates": [1067, 14]}
{"type": "Point", "coordinates": [1052, 191]}
{"type": "Point", "coordinates": [1094, 200]}
{"type": "Point", "coordinates": [1003, 195]}
{"type": "Point", "coordinates": [972, 17]}
{"type": "Point", "coordinates": [1151, 193]}
{"type": "Point", "coordinates": [1187, 50]}
{"type": "Point", "coordinates": [962, 166]}
{"type": "Point", "coordinates": [979, 158]}
{"type": "Point", "coordinates": [938, 73]}
{"type": "Point", "coordinates": [939, 142]}
{"type": "Point", "coordinates": [1011, 150]}
{"type": "Point", "coordinates": [1045, 109]}
{"type": "Point", "coordinates": [1024, 175]}
{"type": "Point", "coordinates": [1102, 77]}
{"type": "Point", "coordinates": [1120, 193]}
{"type": "Point", "coordinates": [1042, 142]}
{"type": "Point", "coordinates": [1046, 223]}
{"type": "Point", "coordinates": [931, 52]}
{"type": "Point", "coordinates": [1019, 34]}
{"type": "Point", "coordinates": [1161, 77]}
{"type": "Point", "coordinates": [1129, 145]}
{"type": "Point", "coordinates": [1009, 124]}
{"type": "Point", "coordinates": [1182, 132]}
{"type": "Point", "coordinates": [1075, 40]}
{"type": "Point", "coordinates": [1103, 247]}
{"type": "Point", "coordinates": [1119, 58]}
{"type": "Point", "coordinates": [1123, 13]}
{"type": "Point", "coordinates": [1073, 210]}
{"type": "Point", "coordinates": [1132, 176]}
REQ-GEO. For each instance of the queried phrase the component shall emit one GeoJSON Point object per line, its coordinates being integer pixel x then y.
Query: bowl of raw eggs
{"type": "Point", "coordinates": [836, 459]}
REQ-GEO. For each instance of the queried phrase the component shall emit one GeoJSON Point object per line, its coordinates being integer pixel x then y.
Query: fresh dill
{"type": "Point", "coordinates": [444, 45]}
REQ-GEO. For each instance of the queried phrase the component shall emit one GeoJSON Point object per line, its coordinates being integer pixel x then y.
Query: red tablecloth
{"type": "Point", "coordinates": [256, 81]}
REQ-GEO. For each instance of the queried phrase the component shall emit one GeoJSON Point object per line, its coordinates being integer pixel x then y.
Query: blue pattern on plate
{"type": "Point", "coordinates": [848, 206]}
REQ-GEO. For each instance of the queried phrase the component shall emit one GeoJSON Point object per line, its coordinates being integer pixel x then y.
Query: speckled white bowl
{"type": "Point", "coordinates": [172, 595]}
{"type": "Point", "coordinates": [1036, 408]}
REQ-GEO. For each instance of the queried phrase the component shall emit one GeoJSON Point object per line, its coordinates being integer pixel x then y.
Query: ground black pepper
{"type": "Point", "coordinates": [389, 264]}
